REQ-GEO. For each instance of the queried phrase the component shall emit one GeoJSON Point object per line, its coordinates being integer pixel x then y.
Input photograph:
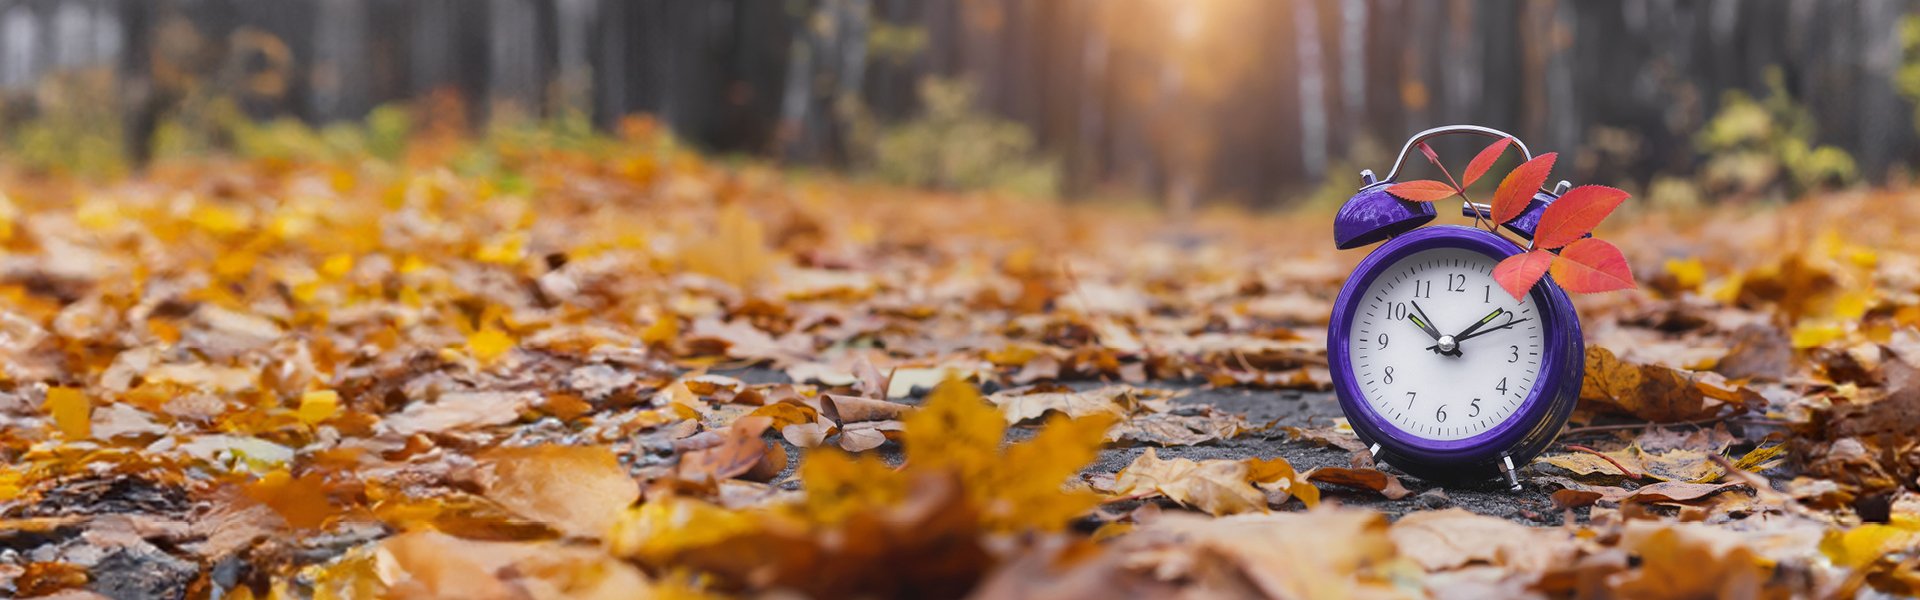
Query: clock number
{"type": "Point", "coordinates": [1409, 399]}
{"type": "Point", "coordinates": [1422, 288]}
{"type": "Point", "coordinates": [1389, 378]}
{"type": "Point", "coordinates": [1486, 294]}
{"type": "Point", "coordinates": [1502, 386]}
{"type": "Point", "coordinates": [1516, 354]}
{"type": "Point", "coordinates": [1457, 282]}
{"type": "Point", "coordinates": [1383, 340]}
{"type": "Point", "coordinates": [1396, 310]}
{"type": "Point", "coordinates": [1475, 404]}
{"type": "Point", "coordinates": [1440, 414]}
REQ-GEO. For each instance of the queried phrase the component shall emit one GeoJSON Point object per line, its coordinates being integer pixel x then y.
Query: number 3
{"type": "Point", "coordinates": [1516, 354]}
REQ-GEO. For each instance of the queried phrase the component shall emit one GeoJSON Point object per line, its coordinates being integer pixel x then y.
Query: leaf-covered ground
{"type": "Point", "coordinates": [621, 369]}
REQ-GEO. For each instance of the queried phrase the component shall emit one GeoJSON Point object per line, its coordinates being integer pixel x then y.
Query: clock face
{"type": "Point", "coordinates": [1439, 350]}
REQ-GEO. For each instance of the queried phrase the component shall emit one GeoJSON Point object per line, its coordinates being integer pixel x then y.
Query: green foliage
{"type": "Point", "coordinates": [1907, 79]}
{"type": "Point", "coordinates": [953, 145]}
{"type": "Point", "coordinates": [1757, 145]}
{"type": "Point", "coordinates": [72, 127]}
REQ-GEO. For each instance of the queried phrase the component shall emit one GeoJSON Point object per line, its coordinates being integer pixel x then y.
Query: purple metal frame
{"type": "Point", "coordinates": [1524, 435]}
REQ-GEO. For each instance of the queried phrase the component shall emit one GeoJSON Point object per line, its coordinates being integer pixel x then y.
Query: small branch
{"type": "Point", "coordinates": [1629, 426]}
{"type": "Point", "coordinates": [1616, 464]}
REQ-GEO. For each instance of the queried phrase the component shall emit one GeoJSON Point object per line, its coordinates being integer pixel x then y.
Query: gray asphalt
{"type": "Point", "coordinates": [1531, 505]}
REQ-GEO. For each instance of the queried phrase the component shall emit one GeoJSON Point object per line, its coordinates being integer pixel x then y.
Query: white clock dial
{"type": "Point", "coordinates": [1440, 350]}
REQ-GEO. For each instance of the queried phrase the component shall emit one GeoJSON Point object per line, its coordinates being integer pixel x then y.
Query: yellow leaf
{"type": "Point", "coordinates": [317, 406]}
{"type": "Point", "coordinates": [219, 219]}
{"type": "Point", "coordinates": [658, 530]}
{"type": "Point", "coordinates": [840, 485]}
{"type": "Point", "coordinates": [1688, 273]}
{"type": "Point", "coordinates": [956, 429]}
{"type": "Point", "coordinates": [72, 412]}
{"type": "Point", "coordinates": [337, 265]}
{"type": "Point", "coordinates": [489, 343]}
{"type": "Point", "coordinates": [1857, 547]}
{"type": "Point", "coordinates": [1276, 474]}
{"type": "Point", "coordinates": [302, 500]}
{"type": "Point", "coordinates": [663, 331]}
{"type": "Point", "coordinates": [1809, 334]}
{"type": "Point", "coordinates": [503, 250]}
{"type": "Point", "coordinates": [736, 252]}
{"type": "Point", "coordinates": [1029, 495]}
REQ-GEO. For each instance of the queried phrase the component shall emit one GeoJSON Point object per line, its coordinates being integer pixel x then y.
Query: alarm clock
{"type": "Point", "coordinates": [1442, 373]}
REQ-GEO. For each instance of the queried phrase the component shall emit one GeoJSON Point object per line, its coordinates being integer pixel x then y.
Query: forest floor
{"type": "Point", "coordinates": [515, 368]}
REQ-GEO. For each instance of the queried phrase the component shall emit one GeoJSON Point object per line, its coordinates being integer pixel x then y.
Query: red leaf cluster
{"type": "Point", "coordinates": [1583, 265]}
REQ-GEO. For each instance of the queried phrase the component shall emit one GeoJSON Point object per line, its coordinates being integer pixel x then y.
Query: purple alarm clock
{"type": "Point", "coordinates": [1442, 373]}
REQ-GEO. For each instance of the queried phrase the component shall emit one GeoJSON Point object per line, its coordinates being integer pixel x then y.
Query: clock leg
{"type": "Point", "coordinates": [1513, 475]}
{"type": "Point", "coordinates": [1373, 452]}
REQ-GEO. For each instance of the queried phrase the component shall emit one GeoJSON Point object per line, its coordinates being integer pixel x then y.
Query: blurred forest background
{"type": "Point", "coordinates": [1181, 102]}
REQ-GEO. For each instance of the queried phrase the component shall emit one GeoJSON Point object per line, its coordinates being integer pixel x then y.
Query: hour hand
{"type": "Point", "coordinates": [1419, 319]}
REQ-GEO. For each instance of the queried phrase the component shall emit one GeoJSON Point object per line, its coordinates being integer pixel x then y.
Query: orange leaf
{"type": "Point", "coordinates": [1517, 189]}
{"type": "Point", "coordinates": [1590, 266]}
{"type": "Point", "coordinates": [1518, 273]}
{"type": "Point", "coordinates": [1484, 160]}
{"type": "Point", "coordinates": [1576, 214]}
{"type": "Point", "coordinates": [1424, 190]}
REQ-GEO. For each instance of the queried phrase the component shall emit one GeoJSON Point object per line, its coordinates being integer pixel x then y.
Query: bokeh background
{"type": "Point", "coordinates": [1179, 103]}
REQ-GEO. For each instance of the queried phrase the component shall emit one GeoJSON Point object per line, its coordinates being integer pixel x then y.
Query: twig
{"type": "Point", "coordinates": [1616, 464]}
{"type": "Point", "coordinates": [1627, 426]}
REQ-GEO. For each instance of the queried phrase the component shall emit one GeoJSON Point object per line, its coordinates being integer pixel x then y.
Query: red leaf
{"type": "Point", "coordinates": [1484, 160]}
{"type": "Point", "coordinates": [1518, 273]}
{"type": "Point", "coordinates": [1576, 214]}
{"type": "Point", "coordinates": [1424, 190]}
{"type": "Point", "coordinates": [1519, 186]}
{"type": "Point", "coordinates": [1590, 266]}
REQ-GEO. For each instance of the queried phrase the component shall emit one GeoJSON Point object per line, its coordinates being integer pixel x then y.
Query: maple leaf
{"type": "Point", "coordinates": [1484, 161]}
{"type": "Point", "coordinates": [1590, 266]}
{"type": "Point", "coordinates": [956, 429]}
{"type": "Point", "coordinates": [1516, 274]}
{"type": "Point", "coordinates": [1519, 186]}
{"type": "Point", "coordinates": [1422, 190]}
{"type": "Point", "coordinates": [1575, 214]}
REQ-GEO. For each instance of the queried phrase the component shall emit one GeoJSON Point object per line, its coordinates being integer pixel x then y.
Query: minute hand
{"type": "Point", "coordinates": [1468, 336]}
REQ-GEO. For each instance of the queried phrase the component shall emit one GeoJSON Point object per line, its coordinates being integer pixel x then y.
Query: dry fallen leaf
{"type": "Point", "coordinates": [578, 490]}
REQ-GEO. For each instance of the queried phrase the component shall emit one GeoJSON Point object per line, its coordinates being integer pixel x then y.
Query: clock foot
{"type": "Point", "coordinates": [1513, 475]}
{"type": "Point", "coordinates": [1373, 454]}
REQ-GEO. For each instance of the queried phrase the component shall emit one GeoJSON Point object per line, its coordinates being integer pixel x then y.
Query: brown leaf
{"type": "Point", "coordinates": [579, 490]}
{"type": "Point", "coordinates": [1164, 429]}
{"type": "Point", "coordinates": [1219, 487]}
{"type": "Point", "coordinates": [867, 435]}
{"type": "Point", "coordinates": [851, 409]}
{"type": "Point", "coordinates": [1761, 352]}
{"type": "Point", "coordinates": [808, 435]}
{"type": "Point", "coordinates": [739, 450]}
{"type": "Point", "coordinates": [1370, 479]}
{"type": "Point", "coordinates": [1453, 538]}
{"type": "Point", "coordinates": [459, 410]}
{"type": "Point", "coordinates": [1657, 393]}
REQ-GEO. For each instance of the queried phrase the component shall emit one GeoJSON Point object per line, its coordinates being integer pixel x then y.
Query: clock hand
{"type": "Point", "coordinates": [1468, 332]}
{"type": "Point", "coordinates": [1450, 345]}
{"type": "Point", "coordinates": [1420, 319]}
{"type": "Point", "coordinates": [1502, 326]}
{"type": "Point", "coordinates": [1458, 339]}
